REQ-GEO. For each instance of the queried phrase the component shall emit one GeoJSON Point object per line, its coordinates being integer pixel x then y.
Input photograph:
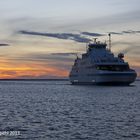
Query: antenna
{"type": "Point", "coordinates": [109, 41]}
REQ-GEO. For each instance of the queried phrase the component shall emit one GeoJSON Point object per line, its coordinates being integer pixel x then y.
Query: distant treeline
{"type": "Point", "coordinates": [34, 79]}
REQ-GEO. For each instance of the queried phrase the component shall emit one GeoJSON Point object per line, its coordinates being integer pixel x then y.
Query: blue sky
{"type": "Point", "coordinates": [63, 17]}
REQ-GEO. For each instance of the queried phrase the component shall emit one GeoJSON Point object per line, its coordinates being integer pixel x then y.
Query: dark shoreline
{"type": "Point", "coordinates": [34, 79]}
{"type": "Point", "coordinates": [40, 79]}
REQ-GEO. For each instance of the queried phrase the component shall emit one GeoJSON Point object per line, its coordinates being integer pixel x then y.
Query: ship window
{"type": "Point", "coordinates": [113, 67]}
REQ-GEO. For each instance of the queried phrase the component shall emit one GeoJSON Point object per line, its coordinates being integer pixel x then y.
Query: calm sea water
{"type": "Point", "coordinates": [56, 110]}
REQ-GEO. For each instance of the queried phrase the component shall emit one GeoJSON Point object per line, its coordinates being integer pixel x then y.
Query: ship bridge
{"type": "Point", "coordinates": [97, 45]}
{"type": "Point", "coordinates": [99, 53]}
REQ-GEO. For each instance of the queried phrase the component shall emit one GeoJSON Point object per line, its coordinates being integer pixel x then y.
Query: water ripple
{"type": "Point", "coordinates": [56, 110]}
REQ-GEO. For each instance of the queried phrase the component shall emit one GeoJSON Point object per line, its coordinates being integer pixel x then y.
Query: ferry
{"type": "Point", "coordinates": [100, 66]}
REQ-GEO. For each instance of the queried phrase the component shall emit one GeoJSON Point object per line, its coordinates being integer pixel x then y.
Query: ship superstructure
{"type": "Point", "coordinates": [99, 66]}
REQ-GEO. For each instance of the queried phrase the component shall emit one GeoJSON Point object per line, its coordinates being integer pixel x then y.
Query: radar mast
{"type": "Point", "coordinates": [109, 41]}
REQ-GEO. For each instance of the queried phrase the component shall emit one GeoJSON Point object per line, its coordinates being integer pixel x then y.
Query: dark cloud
{"type": "Point", "coordinates": [67, 36]}
{"type": "Point", "coordinates": [115, 33]}
{"type": "Point", "coordinates": [130, 32]}
{"type": "Point", "coordinates": [4, 44]}
{"type": "Point", "coordinates": [64, 54]}
{"type": "Point", "coordinates": [125, 32]}
{"type": "Point", "coordinates": [42, 57]}
{"type": "Point", "coordinates": [50, 57]}
{"type": "Point", "coordinates": [91, 34]}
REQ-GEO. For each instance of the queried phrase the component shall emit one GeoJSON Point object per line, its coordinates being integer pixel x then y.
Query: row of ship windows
{"type": "Point", "coordinates": [100, 60]}
{"type": "Point", "coordinates": [108, 67]}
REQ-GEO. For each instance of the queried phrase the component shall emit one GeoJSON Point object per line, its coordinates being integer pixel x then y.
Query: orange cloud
{"type": "Point", "coordinates": [16, 70]}
{"type": "Point", "coordinates": [47, 72]}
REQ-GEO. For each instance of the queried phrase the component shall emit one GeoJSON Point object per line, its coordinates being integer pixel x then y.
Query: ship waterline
{"type": "Point", "coordinates": [124, 78]}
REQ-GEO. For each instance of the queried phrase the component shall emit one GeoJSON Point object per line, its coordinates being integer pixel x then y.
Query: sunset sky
{"type": "Point", "coordinates": [39, 38]}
